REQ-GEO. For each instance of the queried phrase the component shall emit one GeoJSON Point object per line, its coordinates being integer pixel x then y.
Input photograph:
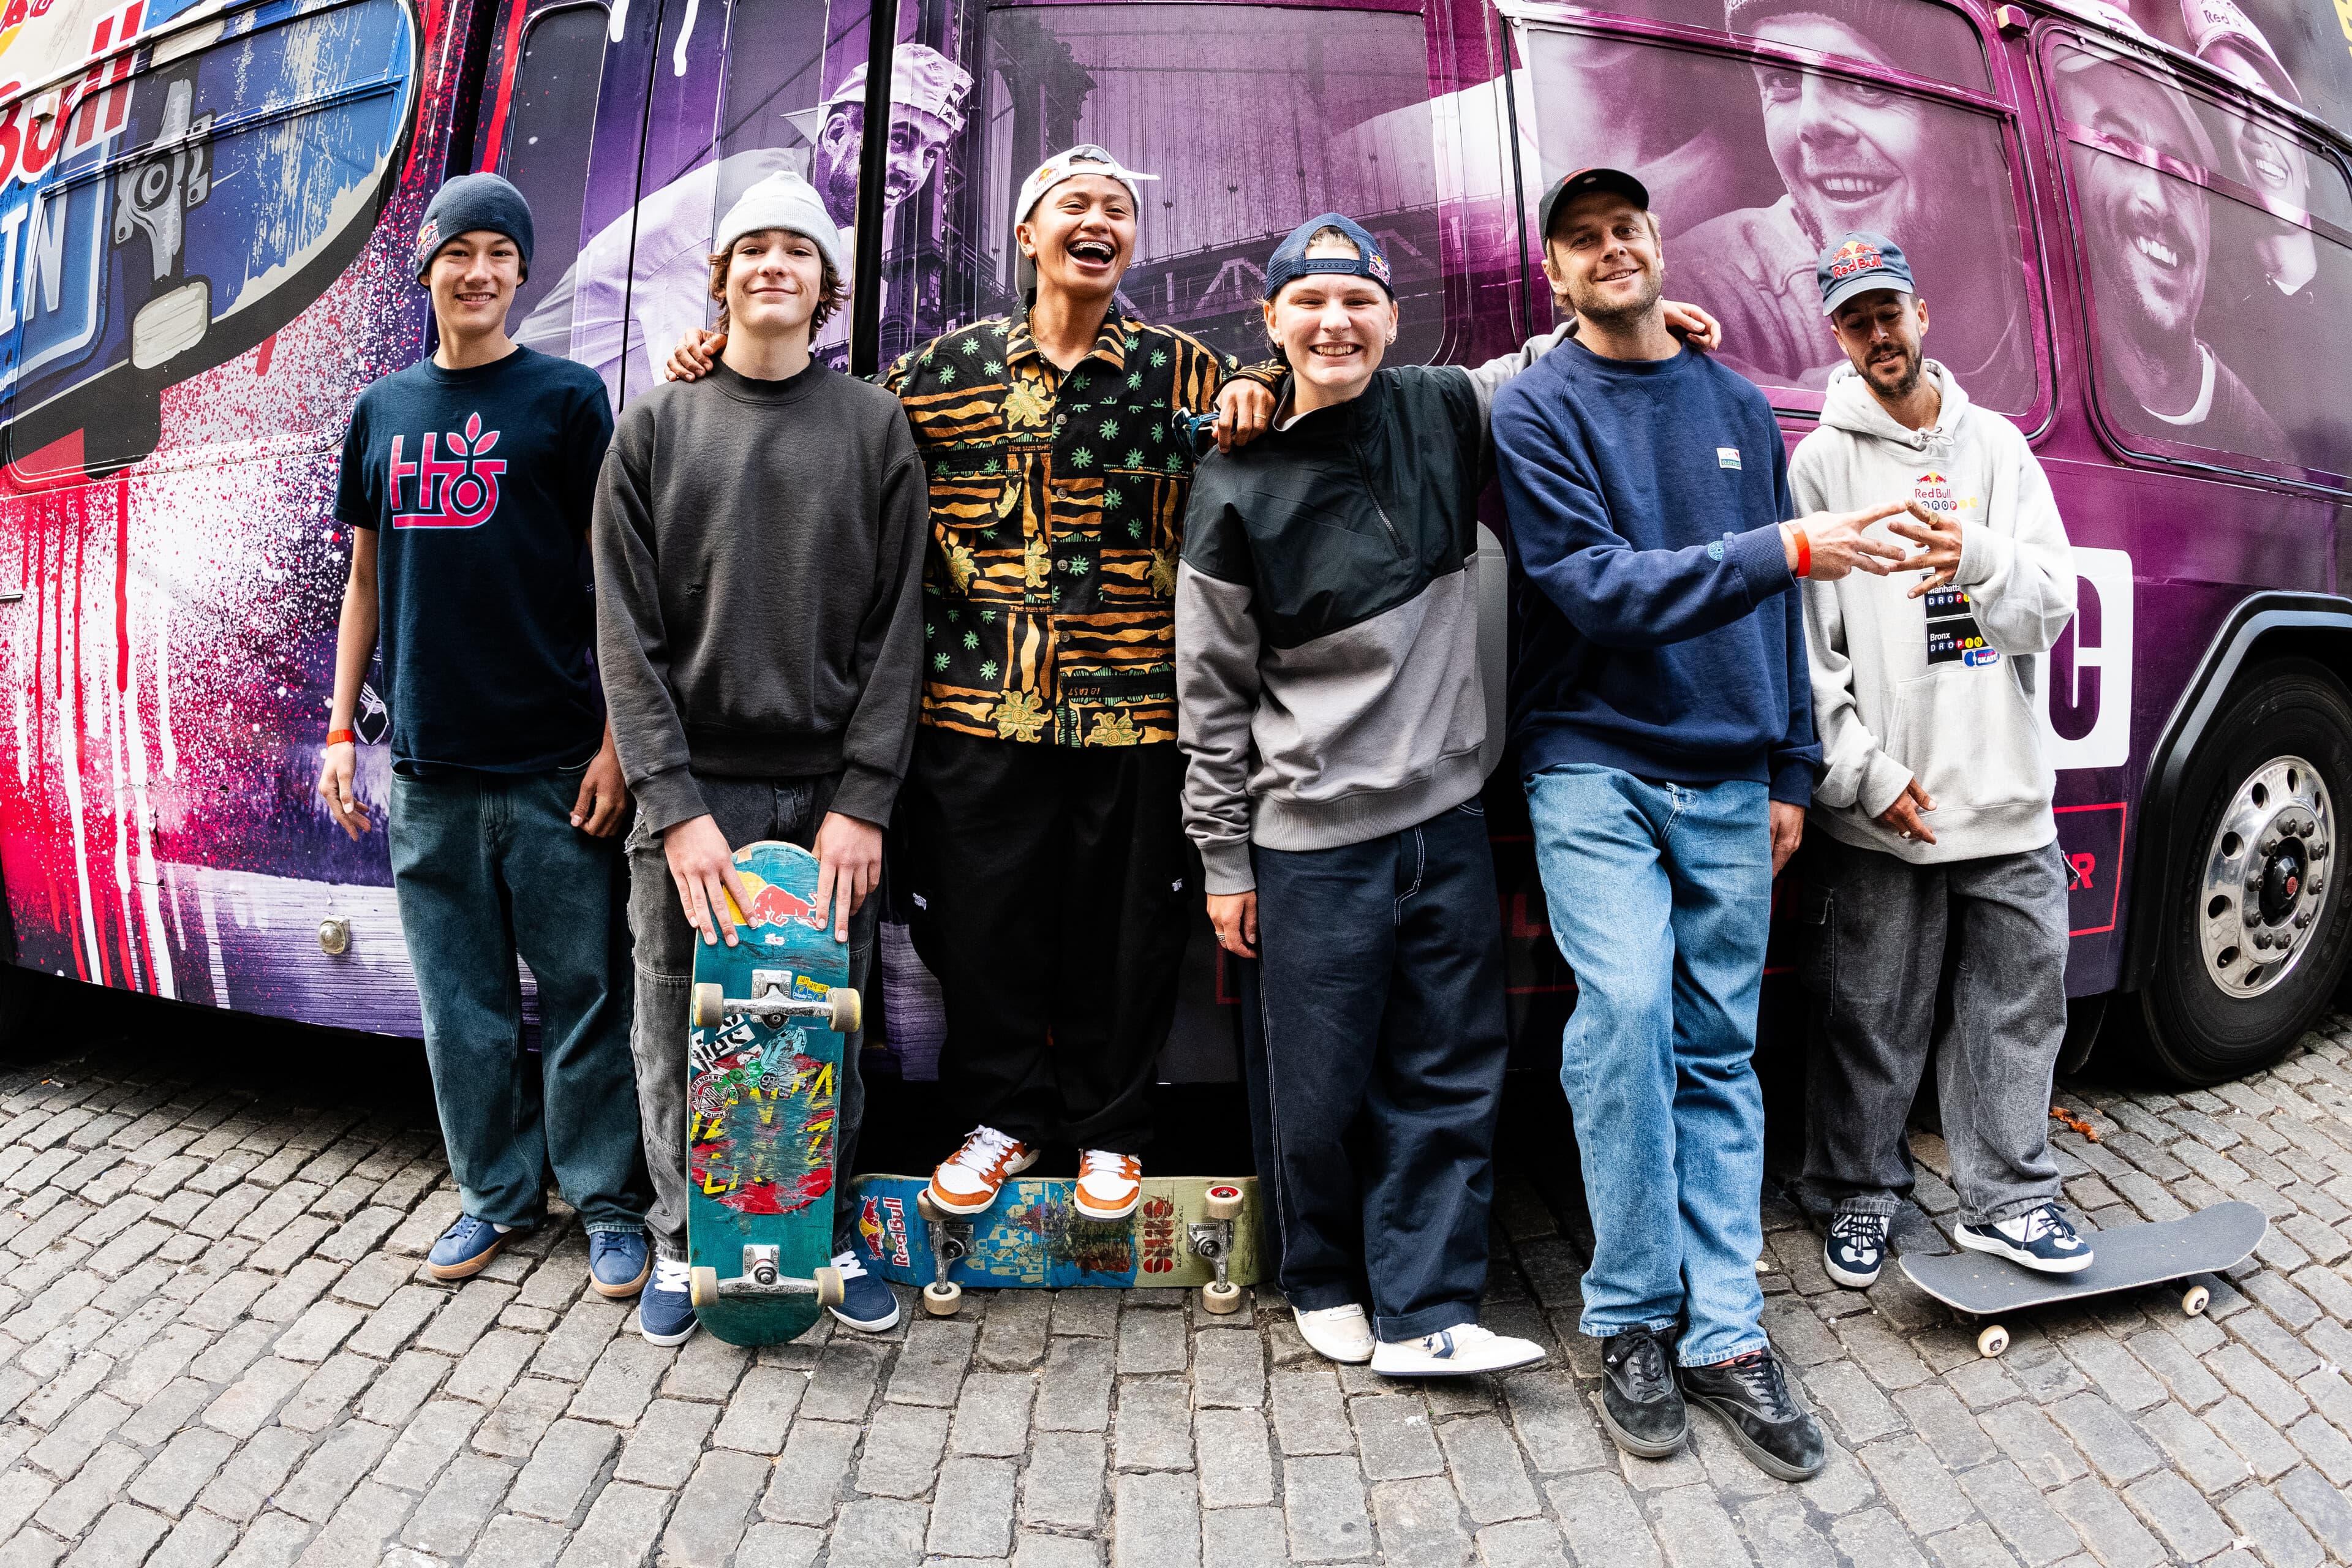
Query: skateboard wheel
{"type": "Point", "coordinates": [702, 1284]}
{"type": "Point", "coordinates": [1221, 1298]}
{"type": "Point", "coordinates": [1222, 1202]}
{"type": "Point", "coordinates": [828, 1288]}
{"type": "Point", "coordinates": [1993, 1340]}
{"type": "Point", "coordinates": [941, 1301]}
{"type": "Point", "coordinates": [929, 1211]}
{"type": "Point", "coordinates": [709, 1006]}
{"type": "Point", "coordinates": [2195, 1299]}
{"type": "Point", "coordinates": [848, 1011]}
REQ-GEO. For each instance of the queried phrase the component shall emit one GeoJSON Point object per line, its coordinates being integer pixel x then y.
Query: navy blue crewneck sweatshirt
{"type": "Point", "coordinates": [1657, 634]}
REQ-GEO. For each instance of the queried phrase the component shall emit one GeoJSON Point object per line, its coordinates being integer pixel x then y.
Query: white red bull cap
{"type": "Point", "coordinates": [1084, 159]}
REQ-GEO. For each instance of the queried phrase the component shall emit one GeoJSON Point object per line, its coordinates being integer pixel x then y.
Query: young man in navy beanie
{"type": "Point", "coordinates": [467, 482]}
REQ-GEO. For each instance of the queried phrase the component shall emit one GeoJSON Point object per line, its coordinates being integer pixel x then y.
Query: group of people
{"type": "Point", "coordinates": [996, 605]}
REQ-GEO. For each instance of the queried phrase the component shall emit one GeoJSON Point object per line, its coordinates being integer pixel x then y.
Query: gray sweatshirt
{"type": "Point", "coordinates": [1944, 688]}
{"type": "Point", "coordinates": [758, 588]}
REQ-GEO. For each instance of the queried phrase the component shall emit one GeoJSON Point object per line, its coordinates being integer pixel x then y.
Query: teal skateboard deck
{"type": "Point", "coordinates": [2128, 1257]}
{"type": "Point", "coordinates": [763, 1076]}
{"type": "Point", "coordinates": [1187, 1231]}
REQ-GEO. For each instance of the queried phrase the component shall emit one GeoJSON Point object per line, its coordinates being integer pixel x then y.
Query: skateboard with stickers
{"type": "Point", "coordinates": [1187, 1231]}
{"type": "Point", "coordinates": [768, 1017]}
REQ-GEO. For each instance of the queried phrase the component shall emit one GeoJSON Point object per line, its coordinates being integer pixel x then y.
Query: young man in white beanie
{"type": "Point", "coordinates": [1050, 873]}
{"type": "Point", "coordinates": [1938, 853]}
{"type": "Point", "coordinates": [759, 549]}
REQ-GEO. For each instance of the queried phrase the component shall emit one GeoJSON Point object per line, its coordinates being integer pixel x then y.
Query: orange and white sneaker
{"type": "Point", "coordinates": [1109, 1185]}
{"type": "Point", "coordinates": [968, 1180]}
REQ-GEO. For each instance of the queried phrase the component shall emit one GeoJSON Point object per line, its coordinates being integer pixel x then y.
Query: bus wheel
{"type": "Point", "coordinates": [2253, 930]}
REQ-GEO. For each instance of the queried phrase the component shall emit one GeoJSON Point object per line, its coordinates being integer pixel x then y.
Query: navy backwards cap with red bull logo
{"type": "Point", "coordinates": [1583, 182]}
{"type": "Point", "coordinates": [1291, 260]}
{"type": "Point", "coordinates": [1858, 263]}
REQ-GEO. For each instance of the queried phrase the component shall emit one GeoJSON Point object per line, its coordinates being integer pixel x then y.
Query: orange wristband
{"type": "Point", "coordinates": [337, 737]}
{"type": "Point", "coordinates": [1804, 555]}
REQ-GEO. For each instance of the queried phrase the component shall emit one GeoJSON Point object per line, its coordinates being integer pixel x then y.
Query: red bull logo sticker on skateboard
{"type": "Point", "coordinates": [774, 905]}
{"type": "Point", "coordinates": [882, 1228]}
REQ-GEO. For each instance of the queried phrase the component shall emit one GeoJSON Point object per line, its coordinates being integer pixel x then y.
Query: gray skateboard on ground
{"type": "Point", "coordinates": [1978, 1284]}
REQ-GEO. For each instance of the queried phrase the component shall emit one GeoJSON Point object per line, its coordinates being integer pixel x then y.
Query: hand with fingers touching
{"type": "Point", "coordinates": [695, 354]}
{"type": "Point", "coordinates": [849, 864]}
{"type": "Point", "coordinates": [1244, 411]}
{"type": "Point", "coordinates": [1826, 545]}
{"type": "Point", "coordinates": [703, 865]}
{"type": "Point", "coordinates": [1941, 532]}
{"type": "Point", "coordinates": [1903, 817]}
{"type": "Point", "coordinates": [1235, 917]}
{"type": "Point", "coordinates": [336, 769]}
{"type": "Point", "coordinates": [1693, 325]}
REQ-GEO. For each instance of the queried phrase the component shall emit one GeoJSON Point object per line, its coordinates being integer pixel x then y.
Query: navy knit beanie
{"type": "Point", "coordinates": [472, 202]}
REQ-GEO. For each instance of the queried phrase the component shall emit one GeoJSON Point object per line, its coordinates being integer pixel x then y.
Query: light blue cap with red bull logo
{"type": "Point", "coordinates": [1858, 263]}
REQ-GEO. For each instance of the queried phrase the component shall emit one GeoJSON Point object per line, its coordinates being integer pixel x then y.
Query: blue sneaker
{"type": "Point", "coordinates": [666, 1312]}
{"type": "Point", "coordinates": [868, 1302]}
{"type": "Point", "coordinates": [2038, 1239]}
{"type": "Point", "coordinates": [465, 1248]}
{"type": "Point", "coordinates": [618, 1262]}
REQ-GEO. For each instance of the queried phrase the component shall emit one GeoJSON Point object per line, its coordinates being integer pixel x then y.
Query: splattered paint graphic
{"type": "Point", "coordinates": [762, 1130]}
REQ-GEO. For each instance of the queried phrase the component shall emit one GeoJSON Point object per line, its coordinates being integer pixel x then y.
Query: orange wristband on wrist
{"type": "Point", "coordinates": [1804, 555]}
{"type": "Point", "coordinates": [337, 737]}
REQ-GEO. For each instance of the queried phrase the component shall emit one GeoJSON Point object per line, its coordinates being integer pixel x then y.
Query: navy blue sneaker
{"type": "Point", "coordinates": [465, 1248]}
{"type": "Point", "coordinates": [618, 1262]}
{"type": "Point", "coordinates": [2038, 1239]}
{"type": "Point", "coordinates": [665, 1311]}
{"type": "Point", "coordinates": [868, 1302]}
{"type": "Point", "coordinates": [1855, 1249]}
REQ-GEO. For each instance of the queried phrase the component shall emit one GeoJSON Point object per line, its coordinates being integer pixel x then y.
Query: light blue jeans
{"type": "Point", "coordinates": [1660, 897]}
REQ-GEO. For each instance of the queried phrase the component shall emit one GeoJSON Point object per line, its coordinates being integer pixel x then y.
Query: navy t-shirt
{"type": "Point", "coordinates": [480, 482]}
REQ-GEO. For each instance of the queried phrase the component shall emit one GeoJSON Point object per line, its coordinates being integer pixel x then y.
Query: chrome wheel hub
{"type": "Point", "coordinates": [2266, 876]}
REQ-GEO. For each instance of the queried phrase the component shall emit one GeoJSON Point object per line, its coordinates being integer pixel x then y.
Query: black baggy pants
{"type": "Point", "coordinates": [1379, 1014]}
{"type": "Point", "coordinates": [1051, 889]}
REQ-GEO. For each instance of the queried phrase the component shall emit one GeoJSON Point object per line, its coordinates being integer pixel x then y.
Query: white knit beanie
{"type": "Point", "coordinates": [783, 200]}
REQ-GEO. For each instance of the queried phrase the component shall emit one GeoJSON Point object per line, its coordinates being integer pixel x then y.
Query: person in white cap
{"type": "Point", "coordinates": [759, 541]}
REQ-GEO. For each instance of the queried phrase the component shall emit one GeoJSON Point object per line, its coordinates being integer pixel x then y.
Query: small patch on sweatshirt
{"type": "Point", "coordinates": [1727, 456]}
{"type": "Point", "coordinates": [1715, 547]}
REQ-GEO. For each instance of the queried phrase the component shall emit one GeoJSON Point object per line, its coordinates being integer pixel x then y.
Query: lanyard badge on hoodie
{"type": "Point", "coordinates": [1953, 634]}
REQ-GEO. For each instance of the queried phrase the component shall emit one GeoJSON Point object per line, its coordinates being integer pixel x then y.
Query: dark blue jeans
{"type": "Point", "coordinates": [488, 867]}
{"type": "Point", "coordinates": [1380, 1007]}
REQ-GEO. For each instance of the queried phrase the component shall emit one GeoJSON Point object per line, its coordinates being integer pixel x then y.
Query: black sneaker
{"type": "Point", "coordinates": [1855, 1249]}
{"type": "Point", "coordinates": [1639, 1402]}
{"type": "Point", "coordinates": [1750, 1397]}
{"type": "Point", "coordinates": [2040, 1239]}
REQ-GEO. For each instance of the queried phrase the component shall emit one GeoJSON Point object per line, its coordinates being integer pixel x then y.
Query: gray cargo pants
{"type": "Point", "coordinates": [1969, 956]}
{"type": "Point", "coordinates": [745, 810]}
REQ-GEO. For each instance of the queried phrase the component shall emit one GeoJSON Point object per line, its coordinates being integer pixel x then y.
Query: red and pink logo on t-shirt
{"type": "Point", "coordinates": [460, 490]}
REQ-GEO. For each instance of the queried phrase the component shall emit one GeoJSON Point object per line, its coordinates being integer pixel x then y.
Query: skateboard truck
{"type": "Point", "coordinates": [950, 1244]}
{"type": "Point", "coordinates": [762, 1276]}
{"type": "Point", "coordinates": [1213, 1239]}
{"type": "Point", "coordinates": [774, 1002]}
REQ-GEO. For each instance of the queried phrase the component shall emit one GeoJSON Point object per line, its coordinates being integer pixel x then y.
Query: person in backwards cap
{"type": "Point", "coordinates": [466, 481]}
{"type": "Point", "coordinates": [759, 551]}
{"type": "Point", "coordinates": [1335, 738]}
{"type": "Point", "coordinates": [1048, 865]}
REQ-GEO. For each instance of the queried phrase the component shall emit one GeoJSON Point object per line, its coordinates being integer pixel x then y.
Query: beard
{"type": "Point", "coordinates": [1904, 375]}
{"type": "Point", "coordinates": [1608, 313]}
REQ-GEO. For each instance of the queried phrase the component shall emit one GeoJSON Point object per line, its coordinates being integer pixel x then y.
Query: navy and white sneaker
{"type": "Point", "coordinates": [868, 1302]}
{"type": "Point", "coordinates": [1457, 1351]}
{"type": "Point", "coordinates": [665, 1311]}
{"type": "Point", "coordinates": [465, 1248]}
{"type": "Point", "coordinates": [618, 1262]}
{"type": "Point", "coordinates": [1855, 1249]}
{"type": "Point", "coordinates": [2038, 1239]}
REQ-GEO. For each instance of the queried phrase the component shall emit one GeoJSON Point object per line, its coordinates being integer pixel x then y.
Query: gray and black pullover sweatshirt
{"type": "Point", "coordinates": [758, 600]}
{"type": "Point", "coordinates": [1328, 677]}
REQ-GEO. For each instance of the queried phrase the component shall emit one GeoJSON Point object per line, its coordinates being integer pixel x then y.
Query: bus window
{"type": "Point", "coordinates": [1755, 166]}
{"type": "Point", "coordinates": [2210, 236]}
{"type": "Point", "coordinates": [1337, 107]}
{"type": "Point", "coordinates": [1912, 35]}
{"type": "Point", "coordinates": [546, 155]}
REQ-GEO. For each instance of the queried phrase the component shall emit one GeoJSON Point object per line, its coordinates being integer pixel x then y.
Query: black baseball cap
{"type": "Point", "coordinates": [1576, 184]}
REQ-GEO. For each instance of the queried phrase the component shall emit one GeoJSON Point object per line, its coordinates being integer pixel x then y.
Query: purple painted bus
{"type": "Point", "coordinates": [2133, 220]}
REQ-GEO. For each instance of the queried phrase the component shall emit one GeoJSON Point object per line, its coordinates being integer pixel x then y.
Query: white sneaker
{"type": "Point", "coordinates": [1337, 1333]}
{"type": "Point", "coordinates": [1109, 1185]}
{"type": "Point", "coordinates": [1454, 1352]}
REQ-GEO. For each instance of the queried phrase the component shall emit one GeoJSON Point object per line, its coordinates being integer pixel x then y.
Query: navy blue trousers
{"type": "Point", "coordinates": [1377, 1049]}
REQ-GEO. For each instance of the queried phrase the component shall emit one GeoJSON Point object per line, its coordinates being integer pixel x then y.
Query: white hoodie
{"type": "Point", "coordinates": [1963, 721]}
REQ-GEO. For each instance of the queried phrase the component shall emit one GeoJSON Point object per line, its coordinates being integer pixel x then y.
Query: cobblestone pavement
{"type": "Point", "coordinates": [216, 1345]}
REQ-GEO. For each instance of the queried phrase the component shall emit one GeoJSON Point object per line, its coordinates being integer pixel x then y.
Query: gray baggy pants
{"type": "Point", "coordinates": [1969, 956]}
{"type": "Point", "coordinates": [745, 810]}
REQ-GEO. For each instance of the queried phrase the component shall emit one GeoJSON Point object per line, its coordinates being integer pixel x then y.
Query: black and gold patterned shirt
{"type": "Point", "coordinates": [1057, 516]}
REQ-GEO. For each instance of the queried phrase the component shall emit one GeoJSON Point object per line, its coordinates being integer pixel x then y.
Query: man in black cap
{"type": "Point", "coordinates": [466, 481]}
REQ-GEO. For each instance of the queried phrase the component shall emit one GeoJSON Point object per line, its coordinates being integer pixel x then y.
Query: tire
{"type": "Point", "coordinates": [2277, 764]}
